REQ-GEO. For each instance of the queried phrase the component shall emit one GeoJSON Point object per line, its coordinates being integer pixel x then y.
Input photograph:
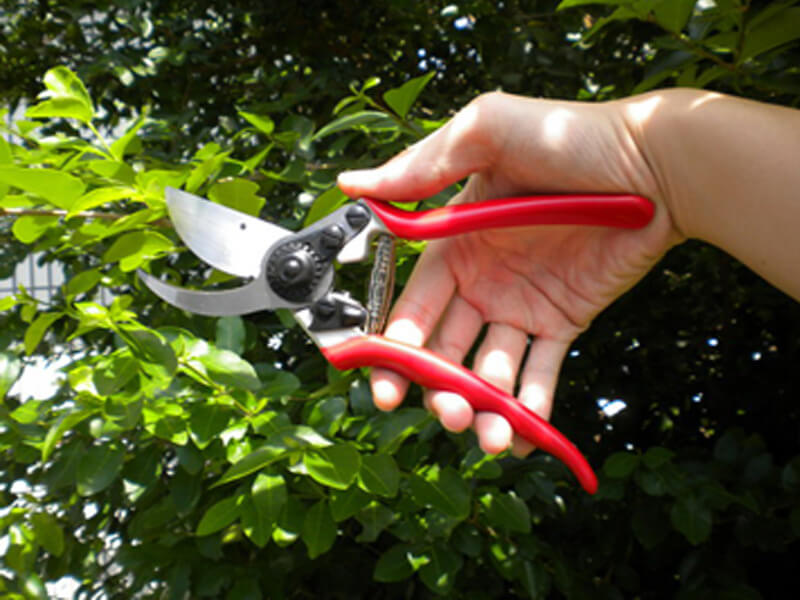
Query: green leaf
{"type": "Point", "coordinates": [261, 122]}
{"type": "Point", "coordinates": [780, 28]}
{"type": "Point", "coordinates": [401, 99]}
{"type": "Point", "coordinates": [231, 334]}
{"type": "Point", "coordinates": [121, 146]}
{"type": "Point", "coordinates": [48, 533]}
{"type": "Point", "coordinates": [621, 464]}
{"type": "Point", "coordinates": [319, 530]}
{"type": "Point", "coordinates": [650, 527]}
{"type": "Point", "coordinates": [364, 118]}
{"type": "Point", "coordinates": [346, 503]}
{"type": "Point", "coordinates": [10, 368]}
{"type": "Point", "coordinates": [374, 519]}
{"type": "Point", "coordinates": [564, 4]}
{"type": "Point", "coordinates": [207, 421]}
{"type": "Point", "coordinates": [393, 565]}
{"type": "Point", "coordinates": [58, 188]}
{"type": "Point", "coordinates": [692, 518]}
{"type": "Point", "coordinates": [133, 249]}
{"type": "Point", "coordinates": [268, 496]}
{"type": "Point", "coordinates": [506, 511]}
{"type": "Point", "coordinates": [442, 489]}
{"type": "Point", "coordinates": [99, 468]}
{"type": "Point", "coordinates": [229, 369]}
{"type": "Point", "coordinates": [255, 461]}
{"type": "Point", "coordinates": [29, 228]}
{"type": "Point", "coordinates": [379, 475]}
{"type": "Point", "coordinates": [334, 466]}
{"type": "Point", "coordinates": [439, 573]}
{"type": "Point", "coordinates": [402, 423]}
{"type": "Point", "coordinates": [325, 204]}
{"type": "Point", "coordinates": [238, 194]}
{"type": "Point", "coordinates": [673, 14]}
{"type": "Point", "coordinates": [100, 196]}
{"type": "Point", "coordinates": [218, 516]}
{"type": "Point", "coordinates": [59, 428]}
{"type": "Point", "coordinates": [66, 97]}
{"type": "Point", "coordinates": [37, 329]}
{"type": "Point", "coordinates": [657, 456]}
{"type": "Point", "coordinates": [82, 282]}
{"type": "Point", "coordinates": [327, 414]}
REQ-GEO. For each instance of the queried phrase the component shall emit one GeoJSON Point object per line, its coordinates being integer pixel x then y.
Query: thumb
{"type": "Point", "coordinates": [468, 143]}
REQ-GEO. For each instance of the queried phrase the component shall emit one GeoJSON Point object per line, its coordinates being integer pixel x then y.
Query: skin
{"type": "Point", "coordinates": [717, 168]}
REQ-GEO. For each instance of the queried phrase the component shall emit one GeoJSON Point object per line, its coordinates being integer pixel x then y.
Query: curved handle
{"type": "Point", "coordinates": [433, 371]}
{"type": "Point", "coordinates": [609, 210]}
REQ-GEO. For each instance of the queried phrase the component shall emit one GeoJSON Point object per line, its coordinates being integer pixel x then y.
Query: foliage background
{"type": "Point", "coordinates": [192, 457]}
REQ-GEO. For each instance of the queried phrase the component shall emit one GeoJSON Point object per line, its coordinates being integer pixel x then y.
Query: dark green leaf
{"type": "Point", "coordinates": [440, 573]}
{"type": "Point", "coordinates": [207, 421]}
{"type": "Point", "coordinates": [374, 519]}
{"type": "Point", "coordinates": [379, 475]}
{"type": "Point", "coordinates": [268, 496]}
{"type": "Point", "coordinates": [692, 519]}
{"type": "Point", "coordinates": [621, 464]}
{"type": "Point", "coordinates": [780, 28]}
{"type": "Point", "coordinates": [393, 565]}
{"type": "Point", "coordinates": [673, 14]}
{"type": "Point", "coordinates": [229, 369]}
{"type": "Point", "coordinates": [442, 489]}
{"type": "Point", "coordinates": [36, 330]}
{"type": "Point", "coordinates": [99, 468]}
{"type": "Point", "coordinates": [48, 533]}
{"type": "Point", "coordinates": [346, 503]}
{"type": "Point", "coordinates": [319, 530]}
{"type": "Point", "coordinates": [255, 461]}
{"type": "Point", "coordinates": [231, 334]}
{"type": "Point", "coordinates": [133, 249]}
{"type": "Point", "coordinates": [506, 511]}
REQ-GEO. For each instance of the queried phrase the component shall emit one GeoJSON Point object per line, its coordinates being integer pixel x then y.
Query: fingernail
{"type": "Point", "coordinates": [358, 178]}
{"type": "Point", "coordinates": [384, 395]}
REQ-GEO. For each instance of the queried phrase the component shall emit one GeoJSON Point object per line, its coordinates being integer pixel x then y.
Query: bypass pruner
{"type": "Point", "coordinates": [295, 271]}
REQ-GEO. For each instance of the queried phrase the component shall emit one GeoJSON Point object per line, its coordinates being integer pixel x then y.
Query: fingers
{"type": "Point", "coordinates": [538, 382]}
{"type": "Point", "coordinates": [469, 142]}
{"type": "Point", "coordinates": [455, 335]}
{"type": "Point", "coordinates": [414, 317]}
{"type": "Point", "coordinates": [497, 361]}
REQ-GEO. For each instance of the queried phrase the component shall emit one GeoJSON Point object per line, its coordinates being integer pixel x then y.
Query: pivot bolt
{"type": "Point", "coordinates": [357, 216]}
{"type": "Point", "coordinates": [332, 238]}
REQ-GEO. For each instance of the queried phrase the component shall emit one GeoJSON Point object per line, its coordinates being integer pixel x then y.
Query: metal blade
{"type": "Point", "coordinates": [246, 299]}
{"type": "Point", "coordinates": [227, 239]}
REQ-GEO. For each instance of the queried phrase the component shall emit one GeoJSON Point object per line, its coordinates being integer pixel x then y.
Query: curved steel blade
{"type": "Point", "coordinates": [246, 299]}
{"type": "Point", "coordinates": [251, 297]}
{"type": "Point", "coordinates": [227, 239]}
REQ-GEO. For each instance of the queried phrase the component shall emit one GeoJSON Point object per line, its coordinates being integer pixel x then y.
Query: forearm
{"type": "Point", "coordinates": [728, 169]}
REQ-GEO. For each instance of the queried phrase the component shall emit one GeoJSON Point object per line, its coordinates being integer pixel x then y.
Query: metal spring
{"type": "Point", "coordinates": [381, 283]}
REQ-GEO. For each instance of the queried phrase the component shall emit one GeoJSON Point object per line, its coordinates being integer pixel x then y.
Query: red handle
{"type": "Point", "coordinates": [609, 210]}
{"type": "Point", "coordinates": [433, 371]}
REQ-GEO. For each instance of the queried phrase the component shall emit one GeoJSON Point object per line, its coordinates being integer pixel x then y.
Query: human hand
{"type": "Point", "coordinates": [544, 282]}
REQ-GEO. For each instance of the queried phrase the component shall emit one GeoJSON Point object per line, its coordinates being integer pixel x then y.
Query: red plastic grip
{"type": "Point", "coordinates": [608, 210]}
{"type": "Point", "coordinates": [432, 371]}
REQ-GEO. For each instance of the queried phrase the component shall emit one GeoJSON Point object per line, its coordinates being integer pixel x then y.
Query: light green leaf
{"type": "Point", "coordinates": [48, 533]}
{"type": "Point", "coordinates": [231, 334]}
{"type": "Point", "coordinates": [238, 194]}
{"type": "Point", "coordinates": [364, 118]}
{"type": "Point", "coordinates": [401, 99]}
{"type": "Point", "coordinates": [60, 427]}
{"type": "Point", "coordinates": [133, 249]}
{"type": "Point", "coordinates": [255, 461]}
{"type": "Point", "coordinates": [219, 515]}
{"type": "Point", "coordinates": [37, 329]}
{"type": "Point", "coordinates": [261, 122]}
{"type": "Point", "coordinates": [10, 368]}
{"type": "Point", "coordinates": [572, 3]}
{"type": "Point", "coordinates": [206, 422]}
{"type": "Point", "coordinates": [99, 468]}
{"type": "Point", "coordinates": [100, 196]}
{"type": "Point", "coordinates": [229, 369]}
{"type": "Point", "coordinates": [63, 83]}
{"type": "Point", "coordinates": [442, 489]}
{"type": "Point", "coordinates": [379, 475]}
{"type": "Point", "coordinates": [121, 146]}
{"type": "Point", "coordinates": [335, 466]}
{"type": "Point", "coordinates": [58, 188]}
{"type": "Point", "coordinates": [268, 496]}
{"type": "Point", "coordinates": [319, 530]}
{"type": "Point", "coordinates": [325, 204]}
{"type": "Point", "coordinates": [29, 228]}
{"type": "Point", "coordinates": [82, 282]}
{"type": "Point", "coordinates": [115, 170]}
{"type": "Point", "coordinates": [393, 565]}
{"type": "Point", "coordinates": [63, 108]}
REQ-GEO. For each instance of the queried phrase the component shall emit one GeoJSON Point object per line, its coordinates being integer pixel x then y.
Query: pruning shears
{"type": "Point", "coordinates": [295, 271]}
